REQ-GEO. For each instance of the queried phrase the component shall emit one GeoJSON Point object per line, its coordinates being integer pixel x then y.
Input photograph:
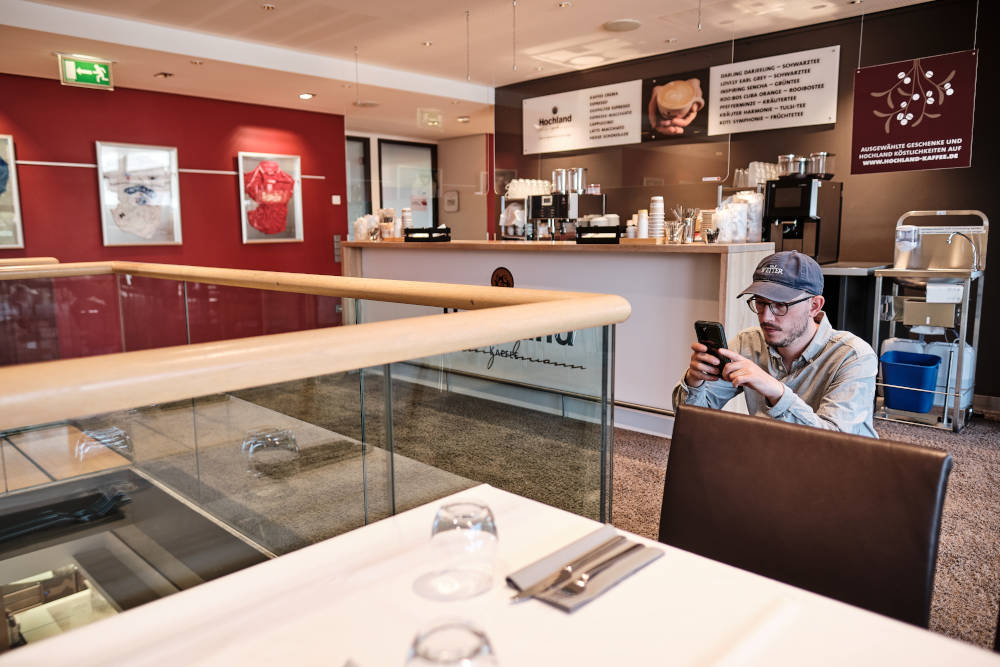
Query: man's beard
{"type": "Point", "coordinates": [788, 336]}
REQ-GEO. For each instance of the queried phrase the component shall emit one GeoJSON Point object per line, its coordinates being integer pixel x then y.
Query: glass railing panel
{"type": "Point", "coordinates": [531, 417]}
{"type": "Point", "coordinates": [219, 312]}
{"type": "Point", "coordinates": [58, 318]}
{"type": "Point", "coordinates": [153, 312]}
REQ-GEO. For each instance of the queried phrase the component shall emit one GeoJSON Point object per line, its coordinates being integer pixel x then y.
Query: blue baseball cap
{"type": "Point", "coordinates": [786, 276]}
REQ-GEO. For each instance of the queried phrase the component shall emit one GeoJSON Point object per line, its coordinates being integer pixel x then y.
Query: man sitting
{"type": "Point", "coordinates": [794, 367]}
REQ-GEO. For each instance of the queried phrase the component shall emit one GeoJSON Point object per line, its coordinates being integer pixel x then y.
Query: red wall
{"type": "Point", "coordinates": [59, 205]}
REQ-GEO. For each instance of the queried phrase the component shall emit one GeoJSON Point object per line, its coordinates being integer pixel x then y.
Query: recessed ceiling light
{"type": "Point", "coordinates": [267, 7]}
{"type": "Point", "coordinates": [565, 4]}
{"type": "Point", "coordinates": [671, 40]}
{"type": "Point", "coordinates": [426, 43]}
{"type": "Point", "coordinates": [433, 123]}
{"type": "Point", "coordinates": [163, 75]}
{"type": "Point", "coordinates": [855, 2]}
{"type": "Point", "coordinates": [621, 25]}
{"type": "Point", "coordinates": [306, 96]}
{"type": "Point", "coordinates": [197, 62]}
{"type": "Point", "coordinates": [463, 119]}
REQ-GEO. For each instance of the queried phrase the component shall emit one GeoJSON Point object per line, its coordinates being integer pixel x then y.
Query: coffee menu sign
{"type": "Point", "coordinates": [790, 90]}
{"type": "Point", "coordinates": [915, 114]}
{"type": "Point", "coordinates": [588, 118]}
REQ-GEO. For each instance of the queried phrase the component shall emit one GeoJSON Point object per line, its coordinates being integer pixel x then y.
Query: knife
{"type": "Point", "coordinates": [565, 573]}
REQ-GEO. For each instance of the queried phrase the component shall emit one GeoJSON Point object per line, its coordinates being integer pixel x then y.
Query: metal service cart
{"type": "Point", "coordinates": [932, 280]}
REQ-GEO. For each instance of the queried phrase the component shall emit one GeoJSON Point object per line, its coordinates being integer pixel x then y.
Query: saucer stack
{"type": "Point", "coordinates": [656, 217]}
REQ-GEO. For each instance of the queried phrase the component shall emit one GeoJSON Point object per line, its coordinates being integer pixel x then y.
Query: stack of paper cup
{"type": "Point", "coordinates": [643, 224]}
{"type": "Point", "coordinates": [407, 217]}
{"type": "Point", "coordinates": [656, 217]}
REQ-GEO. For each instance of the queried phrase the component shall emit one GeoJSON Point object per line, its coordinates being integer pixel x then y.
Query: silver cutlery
{"type": "Point", "coordinates": [579, 582]}
{"type": "Point", "coordinates": [565, 573]}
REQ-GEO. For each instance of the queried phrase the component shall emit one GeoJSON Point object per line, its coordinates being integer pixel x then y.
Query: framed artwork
{"type": "Point", "coordinates": [270, 197]}
{"type": "Point", "coordinates": [140, 198]}
{"type": "Point", "coordinates": [11, 232]}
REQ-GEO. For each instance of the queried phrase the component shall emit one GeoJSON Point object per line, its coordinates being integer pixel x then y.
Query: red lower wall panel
{"type": "Point", "coordinates": [61, 214]}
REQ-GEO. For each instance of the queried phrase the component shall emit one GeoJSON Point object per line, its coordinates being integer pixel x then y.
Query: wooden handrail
{"type": "Point", "coordinates": [27, 261]}
{"type": "Point", "coordinates": [443, 295]}
{"type": "Point", "coordinates": [72, 388]}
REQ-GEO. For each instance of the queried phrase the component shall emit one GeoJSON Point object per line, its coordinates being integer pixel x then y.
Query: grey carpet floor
{"type": "Point", "coordinates": [967, 579]}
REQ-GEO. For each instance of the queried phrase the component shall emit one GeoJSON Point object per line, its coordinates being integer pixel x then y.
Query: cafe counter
{"type": "Point", "coordinates": [668, 286]}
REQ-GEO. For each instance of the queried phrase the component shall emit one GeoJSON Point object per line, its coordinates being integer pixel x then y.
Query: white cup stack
{"type": "Point", "coordinates": [656, 215]}
{"type": "Point", "coordinates": [643, 224]}
{"type": "Point", "coordinates": [407, 218]}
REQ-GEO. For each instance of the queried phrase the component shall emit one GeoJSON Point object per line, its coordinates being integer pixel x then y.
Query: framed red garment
{"type": "Point", "coordinates": [270, 197]}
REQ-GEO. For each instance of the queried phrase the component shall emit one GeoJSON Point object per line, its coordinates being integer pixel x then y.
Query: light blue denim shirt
{"type": "Point", "coordinates": [831, 385]}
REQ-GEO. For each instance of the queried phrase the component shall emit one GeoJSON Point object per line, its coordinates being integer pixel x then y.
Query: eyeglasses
{"type": "Point", "coordinates": [777, 309]}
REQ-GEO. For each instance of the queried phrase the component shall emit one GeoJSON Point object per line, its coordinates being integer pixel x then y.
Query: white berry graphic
{"type": "Point", "coordinates": [908, 98]}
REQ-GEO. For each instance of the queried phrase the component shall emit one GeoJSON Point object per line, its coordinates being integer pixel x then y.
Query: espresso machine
{"type": "Point", "coordinates": [554, 216]}
{"type": "Point", "coordinates": [803, 213]}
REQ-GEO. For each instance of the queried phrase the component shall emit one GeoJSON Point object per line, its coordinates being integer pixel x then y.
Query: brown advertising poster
{"type": "Point", "coordinates": [915, 114]}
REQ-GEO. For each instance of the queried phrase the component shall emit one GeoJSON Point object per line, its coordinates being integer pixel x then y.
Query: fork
{"type": "Point", "coordinates": [579, 583]}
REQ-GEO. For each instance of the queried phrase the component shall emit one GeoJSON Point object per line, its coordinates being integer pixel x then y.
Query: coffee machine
{"type": "Point", "coordinates": [554, 216]}
{"type": "Point", "coordinates": [804, 214]}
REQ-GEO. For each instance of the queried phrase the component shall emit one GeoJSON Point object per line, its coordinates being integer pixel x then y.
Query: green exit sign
{"type": "Point", "coordinates": [86, 72]}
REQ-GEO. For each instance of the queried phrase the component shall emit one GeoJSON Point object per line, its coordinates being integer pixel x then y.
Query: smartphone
{"type": "Point", "coordinates": [713, 336]}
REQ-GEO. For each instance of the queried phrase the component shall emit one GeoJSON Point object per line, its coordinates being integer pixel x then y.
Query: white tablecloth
{"type": "Point", "coordinates": [352, 598]}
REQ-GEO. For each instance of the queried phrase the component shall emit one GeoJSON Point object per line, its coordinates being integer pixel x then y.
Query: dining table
{"type": "Point", "coordinates": [351, 600]}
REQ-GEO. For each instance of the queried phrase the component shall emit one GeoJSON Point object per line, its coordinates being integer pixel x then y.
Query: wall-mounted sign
{"type": "Point", "coordinates": [588, 118]}
{"type": "Point", "coordinates": [85, 72]}
{"type": "Point", "coordinates": [789, 90]}
{"type": "Point", "coordinates": [915, 114]}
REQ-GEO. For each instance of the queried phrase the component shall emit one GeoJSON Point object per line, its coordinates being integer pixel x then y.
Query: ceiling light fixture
{"type": "Point", "coordinates": [306, 96]}
{"type": "Point", "coordinates": [855, 2]}
{"type": "Point", "coordinates": [699, 15]}
{"type": "Point", "coordinates": [621, 25]}
{"type": "Point", "coordinates": [468, 49]}
{"type": "Point", "coordinates": [427, 43]}
{"type": "Point", "coordinates": [513, 35]}
{"type": "Point", "coordinates": [671, 40]}
{"type": "Point", "coordinates": [163, 75]}
{"type": "Point", "coordinates": [267, 7]}
{"type": "Point", "coordinates": [463, 119]}
{"type": "Point", "coordinates": [197, 62]}
{"type": "Point", "coordinates": [565, 4]}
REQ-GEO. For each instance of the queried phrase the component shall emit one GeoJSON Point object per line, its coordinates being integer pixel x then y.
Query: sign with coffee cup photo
{"type": "Point", "coordinates": [674, 107]}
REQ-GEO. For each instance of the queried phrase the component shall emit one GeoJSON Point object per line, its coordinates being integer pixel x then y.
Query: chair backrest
{"type": "Point", "coordinates": [849, 517]}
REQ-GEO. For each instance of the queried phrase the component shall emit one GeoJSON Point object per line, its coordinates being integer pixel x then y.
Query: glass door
{"type": "Point", "coordinates": [408, 179]}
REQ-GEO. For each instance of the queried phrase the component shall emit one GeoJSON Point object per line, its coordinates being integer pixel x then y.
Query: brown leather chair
{"type": "Point", "coordinates": [849, 517]}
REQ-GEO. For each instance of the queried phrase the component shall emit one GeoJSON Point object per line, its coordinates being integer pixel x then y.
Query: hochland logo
{"type": "Point", "coordinates": [555, 118]}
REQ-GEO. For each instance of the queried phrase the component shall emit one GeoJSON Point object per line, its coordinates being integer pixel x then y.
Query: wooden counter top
{"type": "Point", "coordinates": [570, 246]}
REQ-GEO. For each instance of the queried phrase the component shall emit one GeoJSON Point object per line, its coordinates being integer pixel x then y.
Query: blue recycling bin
{"type": "Point", "coordinates": [910, 369]}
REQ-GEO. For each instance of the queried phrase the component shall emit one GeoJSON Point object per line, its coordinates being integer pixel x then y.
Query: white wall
{"type": "Point", "coordinates": [461, 161]}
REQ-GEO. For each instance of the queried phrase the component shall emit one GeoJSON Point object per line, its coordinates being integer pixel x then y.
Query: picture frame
{"type": "Point", "coordinates": [11, 227]}
{"type": "Point", "coordinates": [270, 191]}
{"type": "Point", "coordinates": [139, 194]}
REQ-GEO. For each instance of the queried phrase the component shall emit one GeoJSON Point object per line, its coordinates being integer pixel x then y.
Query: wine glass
{"type": "Point", "coordinates": [463, 548]}
{"type": "Point", "coordinates": [451, 642]}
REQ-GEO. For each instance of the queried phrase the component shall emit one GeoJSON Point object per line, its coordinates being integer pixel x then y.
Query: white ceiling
{"type": "Point", "coordinates": [250, 54]}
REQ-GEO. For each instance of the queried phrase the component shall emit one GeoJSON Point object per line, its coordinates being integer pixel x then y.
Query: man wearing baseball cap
{"type": "Point", "coordinates": [794, 366]}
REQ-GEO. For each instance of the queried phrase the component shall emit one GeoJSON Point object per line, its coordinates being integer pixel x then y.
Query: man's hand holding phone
{"type": "Point", "coordinates": [704, 366]}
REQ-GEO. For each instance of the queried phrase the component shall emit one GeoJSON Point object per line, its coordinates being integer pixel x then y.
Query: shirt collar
{"type": "Point", "coordinates": [819, 341]}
